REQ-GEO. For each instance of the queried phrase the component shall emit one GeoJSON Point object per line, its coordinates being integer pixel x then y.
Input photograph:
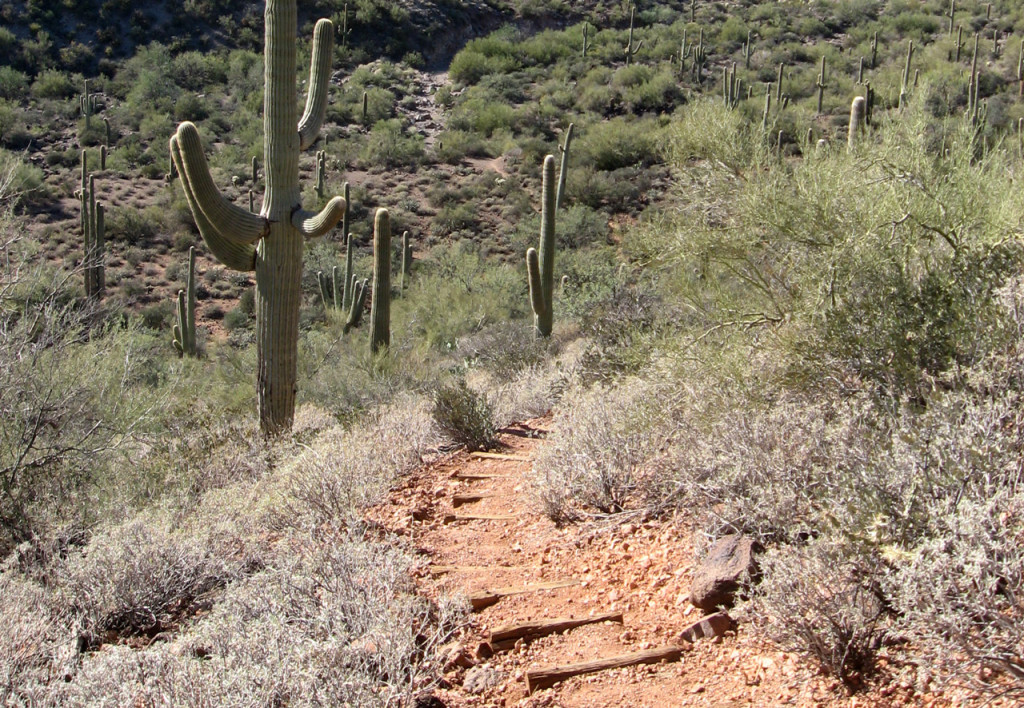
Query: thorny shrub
{"type": "Point", "coordinates": [465, 415]}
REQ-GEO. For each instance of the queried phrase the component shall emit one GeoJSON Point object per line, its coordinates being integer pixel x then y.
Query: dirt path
{"type": "Point", "coordinates": [474, 520]}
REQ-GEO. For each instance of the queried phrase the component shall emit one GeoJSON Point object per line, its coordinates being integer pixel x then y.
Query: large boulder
{"type": "Point", "coordinates": [717, 577]}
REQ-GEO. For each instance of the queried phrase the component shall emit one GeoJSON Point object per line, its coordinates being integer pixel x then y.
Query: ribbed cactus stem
{"type": "Point", "coordinates": [905, 87]}
{"type": "Point", "coordinates": [778, 87]}
{"type": "Point", "coordinates": [767, 107]}
{"type": "Point", "coordinates": [185, 329]}
{"type": "Point", "coordinates": [857, 112]}
{"type": "Point", "coordinates": [820, 84]}
{"type": "Point", "coordinates": [255, 172]}
{"type": "Point", "coordinates": [348, 285]}
{"type": "Point", "coordinates": [366, 105]}
{"type": "Point", "coordinates": [874, 50]}
{"type": "Point", "coordinates": [860, 71]}
{"type": "Point", "coordinates": [321, 174]}
{"type": "Point", "coordinates": [380, 305]}
{"type": "Point", "coordinates": [406, 260]}
{"type": "Point", "coordinates": [632, 49]}
{"type": "Point", "coordinates": [746, 52]}
{"type": "Point", "coordinates": [564, 168]}
{"type": "Point", "coordinates": [586, 38]}
{"type": "Point", "coordinates": [93, 237]}
{"type": "Point", "coordinates": [344, 218]}
{"type": "Point", "coordinates": [355, 310]}
{"type": "Point", "coordinates": [271, 242]}
{"type": "Point", "coordinates": [106, 132]}
{"type": "Point", "coordinates": [540, 266]}
{"type": "Point", "coordinates": [103, 157]}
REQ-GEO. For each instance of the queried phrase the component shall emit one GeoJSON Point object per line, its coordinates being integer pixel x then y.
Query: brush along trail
{"type": "Point", "coordinates": [582, 615]}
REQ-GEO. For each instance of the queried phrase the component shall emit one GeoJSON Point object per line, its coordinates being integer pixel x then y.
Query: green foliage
{"type": "Point", "coordinates": [13, 83]}
{"type": "Point", "coordinates": [390, 146]}
{"type": "Point", "coordinates": [465, 415]}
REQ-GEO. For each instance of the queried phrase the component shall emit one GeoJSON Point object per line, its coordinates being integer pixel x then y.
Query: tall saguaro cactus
{"type": "Point", "coordinates": [858, 108]}
{"type": "Point", "coordinates": [185, 330]}
{"type": "Point", "coordinates": [632, 49]}
{"type": "Point", "coordinates": [93, 235]}
{"type": "Point", "coordinates": [270, 242]}
{"type": "Point", "coordinates": [380, 305]}
{"type": "Point", "coordinates": [564, 169]}
{"type": "Point", "coordinates": [541, 266]}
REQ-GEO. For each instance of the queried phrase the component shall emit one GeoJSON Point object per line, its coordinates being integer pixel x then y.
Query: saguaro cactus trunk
{"type": "Point", "coordinates": [541, 266]}
{"type": "Point", "coordinates": [270, 242]}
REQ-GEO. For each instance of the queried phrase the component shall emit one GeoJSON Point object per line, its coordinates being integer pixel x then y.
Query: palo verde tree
{"type": "Point", "coordinates": [270, 242]}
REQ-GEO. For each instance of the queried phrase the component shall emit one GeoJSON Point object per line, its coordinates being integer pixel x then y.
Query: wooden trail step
{"type": "Point", "coordinates": [444, 569]}
{"type": "Point", "coordinates": [485, 598]}
{"type": "Point", "coordinates": [470, 498]}
{"type": "Point", "coordinates": [524, 432]}
{"type": "Point", "coordinates": [499, 456]}
{"type": "Point", "coordinates": [505, 638]}
{"type": "Point", "coordinates": [537, 679]}
{"type": "Point", "coordinates": [476, 476]}
{"type": "Point", "coordinates": [452, 518]}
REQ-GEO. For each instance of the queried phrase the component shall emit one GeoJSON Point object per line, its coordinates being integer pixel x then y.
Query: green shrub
{"type": "Point", "coordinates": [53, 84]}
{"type": "Point", "coordinates": [13, 83]}
{"type": "Point", "coordinates": [465, 415]}
{"type": "Point", "coordinates": [390, 146]}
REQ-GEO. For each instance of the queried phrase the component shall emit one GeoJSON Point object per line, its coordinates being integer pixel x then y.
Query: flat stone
{"type": "Point", "coordinates": [717, 577]}
{"type": "Point", "coordinates": [708, 627]}
{"type": "Point", "coordinates": [481, 678]}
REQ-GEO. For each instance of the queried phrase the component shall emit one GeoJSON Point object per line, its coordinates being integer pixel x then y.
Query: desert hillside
{"type": "Point", "coordinates": [511, 352]}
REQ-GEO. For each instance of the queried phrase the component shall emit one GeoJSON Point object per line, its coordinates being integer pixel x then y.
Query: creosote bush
{"type": "Point", "coordinates": [465, 415]}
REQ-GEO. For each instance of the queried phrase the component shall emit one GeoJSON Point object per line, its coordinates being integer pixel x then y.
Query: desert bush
{"type": "Point", "coordinates": [824, 601]}
{"type": "Point", "coordinates": [13, 83]}
{"type": "Point", "coordinates": [595, 460]}
{"type": "Point", "coordinates": [53, 84]}
{"type": "Point", "coordinates": [619, 142]}
{"type": "Point", "coordinates": [390, 146]}
{"type": "Point", "coordinates": [465, 415]}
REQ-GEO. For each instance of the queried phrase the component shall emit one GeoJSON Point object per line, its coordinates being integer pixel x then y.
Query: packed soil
{"type": "Point", "coordinates": [641, 569]}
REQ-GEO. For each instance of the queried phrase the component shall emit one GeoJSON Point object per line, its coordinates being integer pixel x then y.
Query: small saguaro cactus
{"type": "Point", "coordinates": [731, 86]}
{"type": "Point", "coordinates": [746, 52]}
{"type": "Point", "coordinates": [564, 169]}
{"type": "Point", "coordinates": [103, 157]}
{"type": "Point", "coordinates": [959, 42]}
{"type": "Point", "coordinates": [1020, 69]}
{"type": "Point", "coordinates": [820, 84]}
{"type": "Point", "coordinates": [366, 106]}
{"type": "Point", "coordinates": [860, 71]}
{"type": "Point", "coordinates": [345, 29]}
{"type": "Point", "coordinates": [321, 174]}
{"type": "Point", "coordinates": [869, 107]}
{"type": "Point", "coordinates": [106, 133]}
{"type": "Point", "coordinates": [347, 285]}
{"type": "Point", "coordinates": [684, 51]}
{"type": "Point", "coordinates": [857, 111]}
{"type": "Point", "coordinates": [331, 289]}
{"type": "Point", "coordinates": [905, 87]}
{"type": "Point", "coordinates": [541, 266]}
{"type": "Point", "coordinates": [184, 330]}
{"type": "Point", "coordinates": [380, 304]}
{"type": "Point", "coordinates": [406, 260]}
{"type": "Point", "coordinates": [951, 14]}
{"type": "Point", "coordinates": [270, 242]}
{"type": "Point", "coordinates": [767, 107]}
{"type": "Point", "coordinates": [94, 246]}
{"type": "Point", "coordinates": [344, 219]}
{"type": "Point", "coordinates": [700, 58]}
{"type": "Point", "coordinates": [631, 49]}
{"type": "Point", "coordinates": [359, 289]}
{"type": "Point", "coordinates": [778, 83]}
{"type": "Point", "coordinates": [874, 50]}
{"type": "Point", "coordinates": [87, 104]}
{"type": "Point", "coordinates": [586, 38]}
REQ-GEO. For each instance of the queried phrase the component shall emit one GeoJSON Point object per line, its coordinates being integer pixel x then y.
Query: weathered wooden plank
{"type": "Point", "coordinates": [485, 598]}
{"type": "Point", "coordinates": [542, 628]}
{"type": "Point", "coordinates": [536, 679]}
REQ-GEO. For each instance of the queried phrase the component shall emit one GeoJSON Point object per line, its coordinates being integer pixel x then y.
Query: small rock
{"type": "Point", "coordinates": [707, 627]}
{"type": "Point", "coordinates": [456, 656]}
{"type": "Point", "coordinates": [481, 678]}
{"type": "Point", "coordinates": [717, 578]}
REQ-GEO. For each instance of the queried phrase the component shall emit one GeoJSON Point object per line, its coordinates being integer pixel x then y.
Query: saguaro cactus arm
{"type": "Point", "coordinates": [540, 305]}
{"type": "Point", "coordinates": [319, 77]}
{"type": "Point", "coordinates": [234, 255]}
{"type": "Point", "coordinates": [313, 224]}
{"type": "Point", "coordinates": [232, 222]}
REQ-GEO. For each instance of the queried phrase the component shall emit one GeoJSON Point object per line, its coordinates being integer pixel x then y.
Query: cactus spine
{"type": "Point", "coordinates": [857, 111]}
{"type": "Point", "coordinates": [271, 242]}
{"type": "Point", "coordinates": [380, 304]}
{"type": "Point", "coordinates": [185, 330]}
{"type": "Point", "coordinates": [541, 266]}
{"type": "Point", "coordinates": [564, 169]}
{"type": "Point", "coordinates": [630, 49]}
{"type": "Point", "coordinates": [820, 84]}
{"type": "Point", "coordinates": [93, 234]}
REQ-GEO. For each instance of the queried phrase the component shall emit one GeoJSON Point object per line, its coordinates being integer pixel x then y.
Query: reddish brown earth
{"type": "Point", "coordinates": [641, 569]}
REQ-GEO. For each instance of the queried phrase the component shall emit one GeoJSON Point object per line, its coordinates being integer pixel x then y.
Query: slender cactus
{"type": "Point", "coordinates": [959, 42]}
{"type": "Point", "coordinates": [586, 38]}
{"type": "Point", "coordinates": [406, 261]}
{"type": "Point", "coordinates": [700, 58]}
{"type": "Point", "coordinates": [344, 219]}
{"type": "Point", "coordinates": [185, 330]}
{"type": "Point", "coordinates": [106, 133]}
{"type": "Point", "coordinates": [1020, 69]}
{"type": "Point", "coordinates": [778, 86]}
{"type": "Point", "coordinates": [255, 172]}
{"type": "Point", "coordinates": [321, 174]}
{"type": "Point", "coordinates": [564, 169]}
{"type": "Point", "coordinates": [380, 303]}
{"type": "Point", "coordinates": [857, 111]}
{"type": "Point", "coordinates": [359, 289]}
{"type": "Point", "coordinates": [541, 266]}
{"type": "Point", "coordinates": [951, 14]}
{"type": "Point", "coordinates": [103, 157]}
{"type": "Point", "coordinates": [746, 52]}
{"type": "Point", "coordinates": [93, 235]}
{"type": "Point", "coordinates": [905, 88]}
{"type": "Point", "coordinates": [732, 87]}
{"type": "Point", "coordinates": [366, 106]}
{"type": "Point", "coordinates": [874, 50]}
{"type": "Point", "coordinates": [632, 49]}
{"type": "Point", "coordinates": [87, 104]}
{"type": "Point", "coordinates": [348, 286]}
{"type": "Point", "coordinates": [271, 242]}
{"type": "Point", "coordinates": [860, 71]}
{"type": "Point", "coordinates": [767, 106]}
{"type": "Point", "coordinates": [345, 29]}
{"type": "Point", "coordinates": [820, 84]}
